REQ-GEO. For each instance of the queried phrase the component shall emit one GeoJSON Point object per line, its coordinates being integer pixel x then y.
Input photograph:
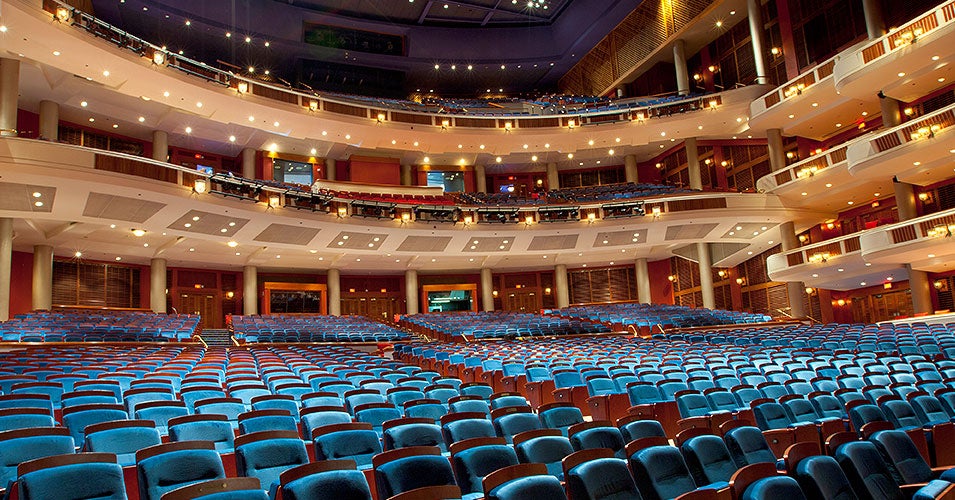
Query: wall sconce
{"type": "Point", "coordinates": [468, 219]}
{"type": "Point", "coordinates": [925, 197]}
{"type": "Point", "coordinates": [697, 77]}
{"type": "Point", "coordinates": [405, 217]}
{"type": "Point", "coordinates": [445, 124]}
{"type": "Point", "coordinates": [887, 285]}
{"type": "Point", "coordinates": [159, 57]}
{"type": "Point", "coordinates": [819, 257]}
{"type": "Point", "coordinates": [229, 295]}
{"type": "Point", "coordinates": [494, 293]}
{"type": "Point", "coordinates": [776, 51]}
{"type": "Point", "coordinates": [342, 212]}
{"type": "Point", "coordinates": [313, 105]}
{"type": "Point", "coordinates": [640, 116]}
{"type": "Point", "coordinates": [199, 186]}
{"type": "Point", "coordinates": [809, 290]}
{"type": "Point", "coordinates": [671, 278]}
{"type": "Point", "coordinates": [908, 111]}
{"type": "Point", "coordinates": [803, 238]}
{"type": "Point", "coordinates": [713, 103]}
{"type": "Point", "coordinates": [790, 155]}
{"type": "Point", "coordinates": [841, 302]}
{"type": "Point", "coordinates": [242, 87]}
{"type": "Point", "coordinates": [941, 285]}
{"type": "Point", "coordinates": [63, 14]}
{"type": "Point", "coordinates": [274, 201]}
{"type": "Point", "coordinates": [655, 211]}
{"type": "Point", "coordinates": [571, 123]}
{"type": "Point", "coordinates": [384, 290]}
{"type": "Point", "coordinates": [713, 68]}
{"type": "Point", "coordinates": [807, 172]}
{"type": "Point", "coordinates": [507, 126]}
{"type": "Point", "coordinates": [794, 90]}
{"type": "Point", "coordinates": [908, 37]}
{"type": "Point", "coordinates": [591, 217]}
{"type": "Point", "coordinates": [547, 291]}
{"type": "Point", "coordinates": [381, 118]}
{"type": "Point", "coordinates": [721, 273]}
{"type": "Point", "coordinates": [741, 281]}
{"type": "Point", "coordinates": [528, 220]}
{"type": "Point", "coordinates": [829, 225]}
{"type": "Point", "coordinates": [941, 231]}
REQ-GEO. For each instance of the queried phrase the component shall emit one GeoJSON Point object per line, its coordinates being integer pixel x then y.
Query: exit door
{"type": "Point", "coordinates": [203, 304]}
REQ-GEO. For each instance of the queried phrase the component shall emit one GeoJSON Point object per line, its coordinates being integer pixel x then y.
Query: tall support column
{"type": "Point", "coordinates": [706, 275]}
{"type": "Point", "coordinates": [250, 290]}
{"type": "Point", "coordinates": [757, 33]}
{"type": "Point", "coordinates": [643, 281]}
{"type": "Point", "coordinates": [621, 92]}
{"type": "Point", "coordinates": [693, 163]}
{"type": "Point", "coordinates": [679, 64]}
{"type": "Point", "coordinates": [411, 291]}
{"type": "Point", "coordinates": [874, 18]}
{"type": "Point", "coordinates": [6, 260]}
{"type": "Point", "coordinates": [777, 155]}
{"type": "Point", "coordinates": [49, 121]}
{"type": "Point", "coordinates": [157, 285]}
{"type": "Point", "coordinates": [248, 163]}
{"type": "Point", "coordinates": [918, 280]}
{"type": "Point", "coordinates": [406, 175]}
{"type": "Point", "coordinates": [160, 145]}
{"type": "Point", "coordinates": [480, 179]}
{"type": "Point", "coordinates": [553, 180]}
{"type": "Point", "coordinates": [561, 286]}
{"type": "Point", "coordinates": [42, 277]}
{"type": "Point", "coordinates": [891, 111]}
{"type": "Point", "coordinates": [330, 171]}
{"type": "Point", "coordinates": [796, 289]}
{"type": "Point", "coordinates": [9, 93]}
{"type": "Point", "coordinates": [905, 200]}
{"type": "Point", "coordinates": [630, 169]}
{"type": "Point", "coordinates": [487, 290]}
{"type": "Point", "coordinates": [333, 280]}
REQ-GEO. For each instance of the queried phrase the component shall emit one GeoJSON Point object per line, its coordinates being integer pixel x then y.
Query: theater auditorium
{"type": "Point", "coordinates": [464, 249]}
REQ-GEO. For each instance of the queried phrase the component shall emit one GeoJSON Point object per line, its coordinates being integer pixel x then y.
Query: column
{"type": "Point", "coordinates": [553, 180]}
{"type": "Point", "coordinates": [49, 121]}
{"type": "Point", "coordinates": [757, 33]}
{"type": "Point", "coordinates": [157, 285]}
{"type": "Point", "coordinates": [160, 145]}
{"type": "Point", "coordinates": [330, 172]}
{"type": "Point", "coordinates": [891, 111]}
{"type": "Point", "coordinates": [406, 176]}
{"type": "Point", "coordinates": [487, 290]}
{"type": "Point", "coordinates": [621, 91]}
{"type": "Point", "coordinates": [706, 275]}
{"type": "Point", "coordinates": [874, 18]}
{"type": "Point", "coordinates": [9, 92]}
{"type": "Point", "coordinates": [6, 260]}
{"type": "Point", "coordinates": [679, 64]}
{"type": "Point", "coordinates": [42, 277]}
{"type": "Point", "coordinates": [643, 281]}
{"type": "Point", "coordinates": [411, 291]}
{"type": "Point", "coordinates": [630, 168]}
{"type": "Point", "coordinates": [480, 179]}
{"type": "Point", "coordinates": [796, 289]}
{"type": "Point", "coordinates": [561, 287]}
{"type": "Point", "coordinates": [777, 156]}
{"type": "Point", "coordinates": [248, 163]}
{"type": "Point", "coordinates": [333, 280]}
{"type": "Point", "coordinates": [693, 163]}
{"type": "Point", "coordinates": [250, 290]}
{"type": "Point", "coordinates": [918, 280]}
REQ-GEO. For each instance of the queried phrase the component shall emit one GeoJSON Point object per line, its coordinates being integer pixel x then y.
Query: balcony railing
{"type": "Point", "coordinates": [909, 33]}
{"type": "Point", "coordinates": [809, 167]}
{"type": "Point", "coordinates": [924, 128]}
{"type": "Point", "coordinates": [824, 250]}
{"type": "Point", "coordinates": [937, 225]}
{"type": "Point", "coordinates": [797, 85]}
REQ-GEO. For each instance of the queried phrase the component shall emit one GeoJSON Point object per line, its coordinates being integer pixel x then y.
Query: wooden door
{"type": "Point", "coordinates": [205, 305]}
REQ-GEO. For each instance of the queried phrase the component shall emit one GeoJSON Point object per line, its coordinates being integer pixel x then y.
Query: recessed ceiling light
{"type": "Point", "coordinates": [232, 244]}
{"type": "Point", "coordinates": [78, 254]}
{"type": "Point", "coordinates": [38, 203]}
{"type": "Point", "coordinates": [188, 130]}
{"type": "Point", "coordinates": [105, 72]}
{"type": "Point", "coordinates": [56, 52]}
{"type": "Point", "coordinates": [119, 258]}
{"type": "Point", "coordinates": [84, 103]}
{"type": "Point", "coordinates": [142, 119]}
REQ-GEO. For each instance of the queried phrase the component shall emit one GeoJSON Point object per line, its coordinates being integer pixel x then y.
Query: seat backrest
{"type": "Point", "coordinates": [636, 429]}
{"type": "Point", "coordinates": [521, 481]}
{"type": "Point", "coordinates": [708, 459]}
{"type": "Point", "coordinates": [122, 437]}
{"type": "Point", "coordinates": [213, 428]}
{"type": "Point", "coordinates": [748, 446]}
{"type": "Point", "coordinates": [821, 477]}
{"type": "Point", "coordinates": [904, 456]}
{"type": "Point", "coordinates": [868, 473]}
{"type": "Point", "coordinates": [901, 414]}
{"type": "Point", "coordinates": [865, 413]}
{"type": "Point", "coordinates": [661, 473]}
{"type": "Point", "coordinates": [351, 441]}
{"type": "Point", "coordinates": [600, 478]}
{"type": "Point", "coordinates": [24, 418]}
{"type": "Point", "coordinates": [325, 480]}
{"type": "Point", "coordinates": [21, 445]}
{"type": "Point", "coordinates": [165, 467]}
{"type": "Point", "coordinates": [929, 410]}
{"type": "Point", "coordinates": [597, 434]}
{"type": "Point", "coordinates": [76, 418]}
{"type": "Point", "coordinates": [543, 447]}
{"type": "Point", "coordinates": [265, 455]}
{"type": "Point", "coordinates": [473, 459]}
{"type": "Point", "coordinates": [407, 432]}
{"type": "Point", "coordinates": [771, 416]}
{"type": "Point", "coordinates": [511, 424]}
{"type": "Point", "coordinates": [72, 477]}
{"type": "Point", "coordinates": [827, 405]}
{"type": "Point", "coordinates": [560, 417]}
{"type": "Point", "coordinates": [772, 488]}
{"type": "Point", "coordinates": [405, 469]}
{"type": "Point", "coordinates": [692, 404]}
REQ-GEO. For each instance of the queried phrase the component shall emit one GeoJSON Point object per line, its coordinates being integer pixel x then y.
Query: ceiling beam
{"type": "Point", "coordinates": [58, 230]}
{"type": "Point", "coordinates": [424, 12]}
{"type": "Point", "coordinates": [167, 245]}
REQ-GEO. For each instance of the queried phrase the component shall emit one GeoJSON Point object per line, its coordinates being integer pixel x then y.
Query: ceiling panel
{"type": "Point", "coordinates": [283, 233]}
{"type": "Point", "coordinates": [26, 198]}
{"type": "Point", "coordinates": [357, 241]}
{"type": "Point", "coordinates": [195, 221]}
{"type": "Point", "coordinates": [424, 244]}
{"type": "Point", "coordinates": [108, 206]}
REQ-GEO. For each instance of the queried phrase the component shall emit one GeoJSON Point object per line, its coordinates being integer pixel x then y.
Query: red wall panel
{"type": "Point", "coordinates": [21, 281]}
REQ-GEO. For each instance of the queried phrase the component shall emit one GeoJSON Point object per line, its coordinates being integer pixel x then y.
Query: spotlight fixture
{"type": "Point", "coordinates": [139, 232]}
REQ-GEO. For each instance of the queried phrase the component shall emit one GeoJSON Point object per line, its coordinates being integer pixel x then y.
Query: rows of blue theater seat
{"type": "Point", "coordinates": [585, 194]}
{"type": "Point", "coordinates": [648, 315]}
{"type": "Point", "coordinates": [313, 328]}
{"type": "Point", "coordinates": [83, 326]}
{"type": "Point", "coordinates": [502, 323]}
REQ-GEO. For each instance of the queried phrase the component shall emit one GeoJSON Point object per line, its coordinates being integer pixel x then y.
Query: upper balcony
{"type": "Point", "coordinates": [834, 264]}
{"type": "Point", "coordinates": [809, 105]}
{"type": "Point", "coordinates": [918, 152]}
{"type": "Point", "coordinates": [905, 64]}
{"type": "Point", "coordinates": [924, 242]}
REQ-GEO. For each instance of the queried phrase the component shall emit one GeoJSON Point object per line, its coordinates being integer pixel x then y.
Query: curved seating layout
{"type": "Point", "coordinates": [111, 326]}
{"type": "Point", "coordinates": [313, 328]}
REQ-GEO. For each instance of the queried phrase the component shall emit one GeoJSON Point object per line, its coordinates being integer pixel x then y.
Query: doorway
{"type": "Point", "coordinates": [206, 305]}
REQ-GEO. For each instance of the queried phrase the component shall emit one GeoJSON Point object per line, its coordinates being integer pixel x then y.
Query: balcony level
{"type": "Point", "coordinates": [926, 242]}
{"type": "Point", "coordinates": [919, 152]}
{"type": "Point", "coordinates": [835, 264]}
{"type": "Point", "coordinates": [905, 64]}
{"type": "Point", "coordinates": [823, 181]}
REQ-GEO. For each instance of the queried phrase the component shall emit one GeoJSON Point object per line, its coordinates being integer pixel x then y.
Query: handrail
{"type": "Point", "coordinates": [830, 248]}
{"type": "Point", "coordinates": [808, 167]}
{"type": "Point", "coordinates": [201, 341]}
{"type": "Point", "coordinates": [923, 128]}
{"type": "Point", "coordinates": [908, 33]}
{"type": "Point", "coordinates": [800, 83]}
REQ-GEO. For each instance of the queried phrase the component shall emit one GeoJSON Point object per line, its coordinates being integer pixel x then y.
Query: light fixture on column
{"type": "Point", "coordinates": [672, 277]}
{"type": "Point", "coordinates": [63, 14]}
{"type": "Point", "coordinates": [810, 290]}
{"type": "Point", "coordinates": [199, 186]}
{"type": "Point", "coordinates": [741, 281]}
{"type": "Point", "coordinates": [722, 273]}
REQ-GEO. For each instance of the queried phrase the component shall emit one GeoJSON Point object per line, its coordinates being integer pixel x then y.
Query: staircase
{"type": "Point", "coordinates": [217, 337]}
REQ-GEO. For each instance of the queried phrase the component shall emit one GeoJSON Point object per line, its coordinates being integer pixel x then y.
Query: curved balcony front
{"type": "Point", "coordinates": [809, 105]}
{"type": "Point", "coordinates": [918, 152]}
{"type": "Point", "coordinates": [835, 264]}
{"type": "Point", "coordinates": [925, 242]}
{"type": "Point", "coordinates": [904, 64]}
